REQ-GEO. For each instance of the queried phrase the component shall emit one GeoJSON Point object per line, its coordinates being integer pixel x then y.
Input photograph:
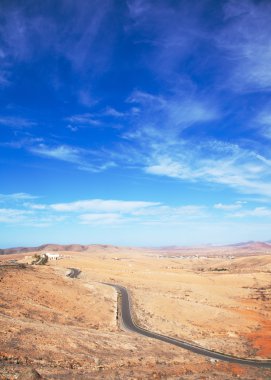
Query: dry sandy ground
{"type": "Point", "coordinates": [67, 329]}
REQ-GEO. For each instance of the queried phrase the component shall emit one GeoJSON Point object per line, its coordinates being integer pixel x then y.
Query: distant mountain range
{"type": "Point", "coordinates": [243, 245]}
{"type": "Point", "coordinates": [250, 245]}
{"type": "Point", "coordinates": [55, 247]}
{"type": "Point", "coordinates": [253, 245]}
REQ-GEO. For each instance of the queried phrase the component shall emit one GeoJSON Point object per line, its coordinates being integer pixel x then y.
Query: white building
{"type": "Point", "coordinates": [52, 256]}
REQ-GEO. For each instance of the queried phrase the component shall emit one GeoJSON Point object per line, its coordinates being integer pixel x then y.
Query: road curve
{"type": "Point", "coordinates": [130, 325]}
{"type": "Point", "coordinates": [74, 273]}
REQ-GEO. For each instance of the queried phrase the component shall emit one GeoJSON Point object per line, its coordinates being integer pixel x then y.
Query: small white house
{"type": "Point", "coordinates": [52, 256]}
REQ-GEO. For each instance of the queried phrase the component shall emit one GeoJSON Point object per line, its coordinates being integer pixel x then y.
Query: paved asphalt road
{"type": "Point", "coordinates": [129, 325]}
{"type": "Point", "coordinates": [74, 273]}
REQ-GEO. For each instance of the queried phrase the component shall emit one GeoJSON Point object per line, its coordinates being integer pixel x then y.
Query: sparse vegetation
{"type": "Point", "coordinates": [40, 259]}
{"type": "Point", "coordinates": [60, 325]}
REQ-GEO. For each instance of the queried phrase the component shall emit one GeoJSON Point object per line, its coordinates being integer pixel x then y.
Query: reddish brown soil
{"type": "Point", "coordinates": [261, 339]}
{"type": "Point", "coordinates": [67, 329]}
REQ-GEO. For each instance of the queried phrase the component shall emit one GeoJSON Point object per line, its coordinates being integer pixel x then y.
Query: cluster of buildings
{"type": "Point", "coordinates": [51, 256]}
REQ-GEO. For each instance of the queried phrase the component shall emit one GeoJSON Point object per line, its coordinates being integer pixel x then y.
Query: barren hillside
{"type": "Point", "coordinates": [67, 328]}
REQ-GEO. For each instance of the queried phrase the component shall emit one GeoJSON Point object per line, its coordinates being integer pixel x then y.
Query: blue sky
{"type": "Point", "coordinates": [135, 122]}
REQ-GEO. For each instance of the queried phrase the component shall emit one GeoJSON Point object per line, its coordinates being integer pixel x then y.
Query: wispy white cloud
{"type": "Point", "coordinates": [28, 217]}
{"type": "Point", "coordinates": [242, 170]}
{"type": "Point", "coordinates": [16, 122]}
{"type": "Point", "coordinates": [4, 81]}
{"type": "Point", "coordinates": [177, 111]}
{"type": "Point", "coordinates": [96, 167]}
{"type": "Point", "coordinates": [245, 38]}
{"type": "Point", "coordinates": [76, 40]}
{"type": "Point", "coordinates": [229, 207]}
{"type": "Point", "coordinates": [17, 197]}
{"type": "Point", "coordinates": [263, 121]}
{"type": "Point", "coordinates": [98, 205]}
{"type": "Point", "coordinates": [137, 7]}
{"type": "Point", "coordinates": [72, 128]}
{"type": "Point", "coordinates": [23, 143]}
{"type": "Point", "coordinates": [95, 212]}
{"type": "Point", "coordinates": [98, 211]}
{"type": "Point", "coordinates": [264, 118]}
{"type": "Point", "coordinates": [266, 161]}
{"type": "Point", "coordinates": [20, 209]}
{"type": "Point", "coordinates": [165, 166]}
{"type": "Point", "coordinates": [35, 206]}
{"type": "Point", "coordinates": [94, 119]}
{"type": "Point", "coordinates": [102, 219]}
{"type": "Point", "coordinates": [62, 152]}
{"type": "Point", "coordinates": [169, 30]}
{"type": "Point", "coordinates": [86, 98]}
{"type": "Point", "coordinates": [86, 119]}
{"type": "Point", "coordinates": [258, 212]}
{"type": "Point", "coordinates": [110, 111]}
{"type": "Point", "coordinates": [157, 127]}
{"type": "Point", "coordinates": [101, 213]}
{"type": "Point", "coordinates": [11, 216]}
{"type": "Point", "coordinates": [84, 159]}
{"type": "Point", "coordinates": [157, 144]}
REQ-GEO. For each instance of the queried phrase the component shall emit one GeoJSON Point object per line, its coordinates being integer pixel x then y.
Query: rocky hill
{"type": "Point", "coordinates": [54, 247]}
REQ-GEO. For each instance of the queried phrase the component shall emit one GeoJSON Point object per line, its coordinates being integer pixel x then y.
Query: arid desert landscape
{"type": "Point", "coordinates": [69, 328]}
{"type": "Point", "coordinates": [135, 199]}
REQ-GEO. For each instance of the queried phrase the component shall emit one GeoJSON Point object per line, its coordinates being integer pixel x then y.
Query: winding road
{"type": "Point", "coordinates": [74, 273]}
{"type": "Point", "coordinates": [129, 325]}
